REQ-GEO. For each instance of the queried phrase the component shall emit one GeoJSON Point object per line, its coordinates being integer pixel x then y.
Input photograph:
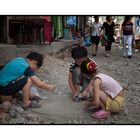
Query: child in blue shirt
{"type": "Point", "coordinates": [19, 74]}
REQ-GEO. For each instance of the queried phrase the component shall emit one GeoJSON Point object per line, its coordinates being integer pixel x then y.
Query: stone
{"type": "Point", "coordinates": [4, 117]}
{"type": "Point", "coordinates": [75, 121]}
{"type": "Point", "coordinates": [41, 120]}
{"type": "Point", "coordinates": [6, 106]}
{"type": "Point", "coordinates": [19, 109]}
{"type": "Point", "coordinates": [17, 121]}
{"type": "Point", "coordinates": [13, 112]}
{"type": "Point", "coordinates": [31, 117]}
{"type": "Point", "coordinates": [30, 122]}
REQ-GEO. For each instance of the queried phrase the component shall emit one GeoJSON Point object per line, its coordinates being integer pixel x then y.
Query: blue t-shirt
{"type": "Point", "coordinates": [14, 69]}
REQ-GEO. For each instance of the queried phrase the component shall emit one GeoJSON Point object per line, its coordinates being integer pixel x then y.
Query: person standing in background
{"type": "Point", "coordinates": [86, 39]}
{"type": "Point", "coordinates": [95, 35]}
{"type": "Point", "coordinates": [108, 30]}
{"type": "Point", "coordinates": [127, 33]}
{"type": "Point", "coordinates": [47, 30]}
{"type": "Point", "coordinates": [137, 27]}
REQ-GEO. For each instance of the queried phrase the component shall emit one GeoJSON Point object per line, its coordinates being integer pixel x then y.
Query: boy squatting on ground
{"type": "Point", "coordinates": [76, 80]}
{"type": "Point", "coordinates": [108, 94]}
{"type": "Point", "coordinates": [19, 74]}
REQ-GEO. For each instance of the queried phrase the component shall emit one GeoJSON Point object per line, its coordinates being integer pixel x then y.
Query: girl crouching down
{"type": "Point", "coordinates": [107, 92]}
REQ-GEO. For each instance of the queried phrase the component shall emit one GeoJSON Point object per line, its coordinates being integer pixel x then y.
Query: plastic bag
{"type": "Point", "coordinates": [104, 40]}
{"type": "Point", "coordinates": [34, 92]}
{"type": "Point", "coordinates": [87, 41]}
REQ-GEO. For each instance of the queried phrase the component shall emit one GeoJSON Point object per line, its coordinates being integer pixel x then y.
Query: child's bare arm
{"type": "Point", "coordinates": [96, 87]}
{"type": "Point", "coordinates": [87, 89]}
{"type": "Point", "coordinates": [41, 84]}
{"type": "Point", "coordinates": [74, 92]}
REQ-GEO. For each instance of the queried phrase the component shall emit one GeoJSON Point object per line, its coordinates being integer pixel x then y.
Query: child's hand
{"type": "Point", "coordinates": [75, 94]}
{"type": "Point", "coordinates": [76, 98]}
{"type": "Point", "coordinates": [83, 94]}
{"type": "Point", "coordinates": [51, 87]}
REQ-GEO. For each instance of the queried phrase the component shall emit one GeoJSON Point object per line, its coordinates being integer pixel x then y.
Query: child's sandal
{"type": "Point", "coordinates": [32, 105]}
{"type": "Point", "coordinates": [101, 114]}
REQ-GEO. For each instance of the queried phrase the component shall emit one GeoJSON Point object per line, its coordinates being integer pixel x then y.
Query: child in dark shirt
{"type": "Point", "coordinates": [76, 80]}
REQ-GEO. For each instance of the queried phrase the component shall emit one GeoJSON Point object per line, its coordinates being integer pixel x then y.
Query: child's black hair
{"type": "Point", "coordinates": [79, 52]}
{"type": "Point", "coordinates": [37, 57]}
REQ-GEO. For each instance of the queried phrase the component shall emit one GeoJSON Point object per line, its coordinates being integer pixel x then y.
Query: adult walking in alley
{"type": "Point", "coordinates": [128, 35]}
{"type": "Point", "coordinates": [95, 35]}
{"type": "Point", "coordinates": [108, 30]}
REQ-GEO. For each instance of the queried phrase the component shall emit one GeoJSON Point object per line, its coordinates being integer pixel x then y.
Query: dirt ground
{"type": "Point", "coordinates": [125, 71]}
{"type": "Point", "coordinates": [59, 108]}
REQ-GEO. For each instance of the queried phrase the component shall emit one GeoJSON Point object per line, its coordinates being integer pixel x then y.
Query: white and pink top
{"type": "Point", "coordinates": [109, 85]}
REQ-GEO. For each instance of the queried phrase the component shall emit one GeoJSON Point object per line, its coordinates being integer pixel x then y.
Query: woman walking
{"type": "Point", "coordinates": [128, 34]}
{"type": "Point", "coordinates": [108, 28]}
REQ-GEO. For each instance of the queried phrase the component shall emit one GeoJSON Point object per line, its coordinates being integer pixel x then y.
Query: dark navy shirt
{"type": "Point", "coordinates": [109, 30]}
{"type": "Point", "coordinates": [127, 28]}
